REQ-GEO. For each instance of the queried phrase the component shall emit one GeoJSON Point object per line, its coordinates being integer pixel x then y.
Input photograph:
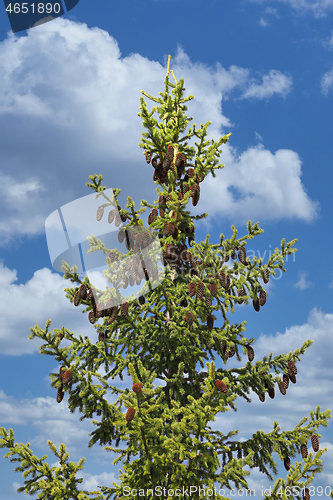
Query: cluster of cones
{"type": "Point", "coordinates": [282, 384]}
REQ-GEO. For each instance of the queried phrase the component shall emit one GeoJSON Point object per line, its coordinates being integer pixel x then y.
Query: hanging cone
{"type": "Point", "coordinates": [285, 380]}
{"type": "Point", "coordinates": [77, 299]}
{"type": "Point", "coordinates": [83, 291]}
{"type": "Point", "coordinates": [101, 336]}
{"type": "Point", "coordinates": [292, 367]}
{"type": "Point", "coordinates": [196, 196]}
{"type": "Point", "coordinates": [154, 162]}
{"type": "Point", "coordinates": [170, 152]}
{"type": "Point", "coordinates": [282, 388]}
{"type": "Point", "coordinates": [262, 397]}
{"type": "Point", "coordinates": [123, 218]}
{"type": "Point", "coordinates": [191, 289]}
{"type": "Point", "coordinates": [242, 255]}
{"type": "Point", "coordinates": [234, 254]}
{"type": "Point", "coordinates": [271, 392]}
{"type": "Point", "coordinates": [287, 463]}
{"type": "Point", "coordinates": [130, 414]}
{"type": "Point", "coordinates": [137, 388]}
{"type": "Point", "coordinates": [213, 289]}
{"type": "Point", "coordinates": [304, 450]}
{"type": "Point", "coordinates": [265, 275]}
{"type": "Point", "coordinates": [161, 200]}
{"type": "Point", "coordinates": [91, 317]}
{"type": "Point", "coordinates": [124, 309]}
{"type": "Point", "coordinates": [171, 228]}
{"type": "Point", "coordinates": [111, 216]}
{"type": "Point", "coordinates": [62, 370]}
{"type": "Point", "coordinates": [191, 173]}
{"type": "Point", "coordinates": [121, 235]}
{"type": "Point", "coordinates": [210, 322]}
{"type": "Point", "coordinates": [161, 212]}
{"type": "Point", "coordinates": [256, 304]}
{"type": "Point", "coordinates": [241, 293]}
{"type": "Point", "coordinates": [148, 156]}
{"type": "Point", "coordinates": [184, 188]}
{"type": "Point", "coordinates": [315, 442]}
{"type": "Point", "coordinates": [208, 301]}
{"type": "Point", "coordinates": [262, 297]}
{"type": "Point", "coordinates": [220, 386]}
{"type": "Point", "coordinates": [292, 378]}
{"type": "Point", "coordinates": [142, 300]}
{"type": "Point", "coordinates": [306, 494]}
{"type": "Point", "coordinates": [189, 318]}
{"type": "Point", "coordinates": [67, 377]}
{"type": "Point", "coordinates": [60, 395]}
{"type": "Point", "coordinates": [250, 353]}
{"type": "Point", "coordinates": [200, 289]}
{"type": "Point", "coordinates": [99, 213]}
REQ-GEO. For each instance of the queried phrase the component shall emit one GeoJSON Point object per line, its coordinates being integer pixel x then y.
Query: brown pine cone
{"type": "Point", "coordinates": [130, 414]}
{"type": "Point", "coordinates": [210, 322]}
{"type": "Point", "coordinates": [221, 386]}
{"type": "Point", "coordinates": [250, 353]}
{"type": "Point", "coordinates": [189, 318]}
{"type": "Point", "coordinates": [60, 394]}
{"type": "Point", "coordinates": [304, 450]}
{"type": "Point", "coordinates": [315, 442]}
{"type": "Point", "coordinates": [213, 289]}
{"type": "Point", "coordinates": [271, 392]}
{"type": "Point", "coordinates": [292, 378]}
{"type": "Point", "coordinates": [262, 297]}
{"type": "Point", "coordinates": [262, 397]}
{"type": "Point", "coordinates": [242, 255]}
{"type": "Point", "coordinates": [101, 336]}
{"type": "Point", "coordinates": [241, 293]}
{"type": "Point", "coordinates": [137, 388]}
{"type": "Point", "coordinates": [124, 309]}
{"type": "Point", "coordinates": [77, 299]}
{"type": "Point", "coordinates": [265, 275]}
{"type": "Point", "coordinates": [191, 289]}
{"type": "Point", "coordinates": [148, 156]}
{"type": "Point", "coordinates": [287, 463]}
{"type": "Point", "coordinates": [292, 367]}
{"type": "Point", "coordinates": [92, 317]}
{"type": "Point", "coordinates": [256, 304]}
{"type": "Point", "coordinates": [83, 291]}
{"type": "Point", "coordinates": [67, 377]}
{"type": "Point", "coordinates": [200, 289]}
{"type": "Point", "coordinates": [285, 380]}
{"type": "Point", "coordinates": [234, 254]}
{"type": "Point", "coordinates": [208, 301]}
{"type": "Point", "coordinates": [191, 173]}
{"type": "Point", "coordinates": [282, 388]}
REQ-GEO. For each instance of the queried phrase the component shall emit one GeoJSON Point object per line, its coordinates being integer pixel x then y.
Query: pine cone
{"type": "Point", "coordinates": [208, 301]}
{"type": "Point", "coordinates": [191, 173]}
{"type": "Point", "coordinates": [250, 353]}
{"type": "Point", "coordinates": [292, 378]}
{"type": "Point", "coordinates": [262, 297]}
{"type": "Point", "coordinates": [213, 289]}
{"type": "Point", "coordinates": [154, 215]}
{"type": "Point", "coordinates": [285, 380]}
{"type": "Point", "coordinates": [77, 299]}
{"type": "Point", "coordinates": [220, 386]}
{"type": "Point", "coordinates": [234, 254]}
{"type": "Point", "coordinates": [145, 240]}
{"type": "Point", "coordinates": [200, 289]}
{"type": "Point", "coordinates": [83, 291]}
{"type": "Point", "coordinates": [99, 213]}
{"type": "Point", "coordinates": [315, 442]}
{"type": "Point", "coordinates": [67, 377]}
{"type": "Point", "coordinates": [191, 289]}
{"type": "Point", "coordinates": [161, 200]}
{"type": "Point", "coordinates": [304, 450]}
{"type": "Point", "coordinates": [189, 318]}
{"type": "Point", "coordinates": [262, 397]}
{"type": "Point", "coordinates": [306, 494]}
{"type": "Point", "coordinates": [154, 162]}
{"type": "Point", "coordinates": [91, 317]}
{"type": "Point", "coordinates": [101, 336]}
{"type": "Point", "coordinates": [111, 216]}
{"type": "Point", "coordinates": [124, 309]}
{"type": "Point", "coordinates": [242, 255]}
{"type": "Point", "coordinates": [282, 388]}
{"type": "Point", "coordinates": [292, 367]}
{"type": "Point", "coordinates": [184, 188]}
{"type": "Point", "coordinates": [130, 414]}
{"type": "Point", "coordinates": [287, 463]}
{"type": "Point", "coordinates": [256, 304]}
{"type": "Point", "coordinates": [137, 388]}
{"type": "Point", "coordinates": [148, 156]}
{"type": "Point", "coordinates": [113, 315]}
{"type": "Point", "coordinates": [271, 392]}
{"type": "Point", "coordinates": [170, 152]}
{"type": "Point", "coordinates": [265, 275]}
{"type": "Point", "coordinates": [60, 394]}
{"type": "Point", "coordinates": [121, 235]}
{"type": "Point", "coordinates": [241, 293]}
{"type": "Point", "coordinates": [142, 300]}
{"type": "Point", "coordinates": [210, 322]}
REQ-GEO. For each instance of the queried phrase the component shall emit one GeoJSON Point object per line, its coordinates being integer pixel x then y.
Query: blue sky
{"type": "Point", "coordinates": [69, 98]}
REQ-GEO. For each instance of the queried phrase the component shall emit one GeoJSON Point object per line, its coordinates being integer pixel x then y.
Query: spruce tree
{"type": "Point", "coordinates": [166, 334]}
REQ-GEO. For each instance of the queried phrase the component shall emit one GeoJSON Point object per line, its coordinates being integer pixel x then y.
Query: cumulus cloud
{"type": "Point", "coordinates": [68, 109]}
{"type": "Point", "coordinates": [273, 83]}
{"type": "Point", "coordinates": [303, 284]}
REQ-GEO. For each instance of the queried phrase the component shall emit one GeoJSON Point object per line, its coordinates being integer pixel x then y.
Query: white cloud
{"type": "Point", "coordinates": [327, 82]}
{"type": "Point", "coordinates": [263, 22]}
{"type": "Point", "coordinates": [68, 109]}
{"type": "Point", "coordinates": [273, 83]}
{"type": "Point", "coordinates": [318, 9]}
{"type": "Point", "coordinates": [303, 284]}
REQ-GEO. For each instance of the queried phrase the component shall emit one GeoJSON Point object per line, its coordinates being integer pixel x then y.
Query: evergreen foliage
{"type": "Point", "coordinates": [165, 335]}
